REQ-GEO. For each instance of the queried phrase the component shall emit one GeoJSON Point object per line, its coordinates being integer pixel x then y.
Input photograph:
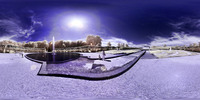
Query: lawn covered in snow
{"type": "Point", "coordinates": [172, 53]}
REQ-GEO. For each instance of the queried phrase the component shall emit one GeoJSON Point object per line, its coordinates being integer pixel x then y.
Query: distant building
{"type": "Point", "coordinates": [146, 47]}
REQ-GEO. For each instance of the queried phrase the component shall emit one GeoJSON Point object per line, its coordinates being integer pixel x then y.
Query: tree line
{"type": "Point", "coordinates": [91, 40]}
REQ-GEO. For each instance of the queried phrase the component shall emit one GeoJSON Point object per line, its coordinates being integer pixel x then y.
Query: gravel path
{"type": "Point", "coordinates": [166, 78]}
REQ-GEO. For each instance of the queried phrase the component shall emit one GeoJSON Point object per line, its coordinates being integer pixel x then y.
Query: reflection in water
{"type": "Point", "coordinates": [57, 58]}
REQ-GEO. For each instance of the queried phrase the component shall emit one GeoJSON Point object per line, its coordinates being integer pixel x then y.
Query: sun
{"type": "Point", "coordinates": [76, 23]}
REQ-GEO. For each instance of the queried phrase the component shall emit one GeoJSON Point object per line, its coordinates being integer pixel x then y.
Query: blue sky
{"type": "Point", "coordinates": [136, 22]}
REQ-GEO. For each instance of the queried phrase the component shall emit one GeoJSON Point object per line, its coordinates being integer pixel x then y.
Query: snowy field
{"type": "Point", "coordinates": [172, 53]}
{"type": "Point", "coordinates": [167, 78]}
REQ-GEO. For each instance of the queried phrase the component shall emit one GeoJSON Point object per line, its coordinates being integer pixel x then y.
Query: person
{"type": "Point", "coordinates": [22, 54]}
{"type": "Point", "coordinates": [103, 56]}
{"type": "Point", "coordinates": [99, 57]}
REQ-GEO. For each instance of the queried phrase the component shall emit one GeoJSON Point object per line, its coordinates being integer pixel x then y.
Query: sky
{"type": "Point", "coordinates": [135, 22]}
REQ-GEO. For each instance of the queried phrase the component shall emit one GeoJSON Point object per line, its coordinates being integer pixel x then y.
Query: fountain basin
{"type": "Point", "coordinates": [51, 58]}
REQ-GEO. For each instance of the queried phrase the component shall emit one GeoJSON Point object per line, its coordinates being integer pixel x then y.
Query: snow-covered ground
{"type": "Point", "coordinates": [115, 62]}
{"type": "Point", "coordinates": [84, 65]}
{"type": "Point", "coordinates": [118, 61]}
{"type": "Point", "coordinates": [166, 78]}
{"type": "Point", "coordinates": [96, 55]}
{"type": "Point", "coordinates": [172, 53]}
{"type": "Point", "coordinates": [122, 51]}
{"type": "Point", "coordinates": [109, 53]}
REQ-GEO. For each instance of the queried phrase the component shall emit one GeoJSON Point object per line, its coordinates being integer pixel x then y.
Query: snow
{"type": "Point", "coordinates": [148, 79]}
{"type": "Point", "coordinates": [110, 53]}
{"type": "Point", "coordinates": [96, 55]}
{"type": "Point", "coordinates": [115, 62]}
{"type": "Point", "coordinates": [118, 61]}
{"type": "Point", "coordinates": [88, 66]}
{"type": "Point", "coordinates": [172, 53]}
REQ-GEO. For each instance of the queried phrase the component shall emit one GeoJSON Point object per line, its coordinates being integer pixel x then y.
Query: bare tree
{"type": "Point", "coordinates": [195, 45]}
{"type": "Point", "coordinates": [42, 44]}
{"type": "Point", "coordinates": [98, 40]}
{"type": "Point", "coordinates": [199, 44]}
{"type": "Point", "coordinates": [126, 45]}
{"type": "Point", "coordinates": [122, 45]}
{"type": "Point", "coordinates": [67, 44]}
{"type": "Point", "coordinates": [80, 43]}
{"type": "Point", "coordinates": [118, 45]}
{"type": "Point", "coordinates": [73, 44]}
{"type": "Point", "coordinates": [31, 45]}
{"type": "Point", "coordinates": [90, 40]}
{"type": "Point", "coordinates": [93, 40]}
{"type": "Point", "coordinates": [59, 44]}
{"type": "Point", "coordinates": [109, 44]}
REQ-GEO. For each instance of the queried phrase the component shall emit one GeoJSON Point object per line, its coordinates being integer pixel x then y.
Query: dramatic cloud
{"type": "Point", "coordinates": [175, 39]}
{"type": "Point", "coordinates": [187, 32]}
{"type": "Point", "coordinates": [12, 26]}
{"type": "Point", "coordinates": [188, 25]}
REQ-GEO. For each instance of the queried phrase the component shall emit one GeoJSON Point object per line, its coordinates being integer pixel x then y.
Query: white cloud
{"type": "Point", "coordinates": [14, 30]}
{"type": "Point", "coordinates": [176, 39]}
{"type": "Point", "coordinates": [7, 38]}
{"type": "Point", "coordinates": [114, 42]}
{"type": "Point", "coordinates": [187, 25]}
{"type": "Point", "coordinates": [12, 27]}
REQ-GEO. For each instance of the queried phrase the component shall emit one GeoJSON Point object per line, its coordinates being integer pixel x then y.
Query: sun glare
{"type": "Point", "coordinates": [76, 23]}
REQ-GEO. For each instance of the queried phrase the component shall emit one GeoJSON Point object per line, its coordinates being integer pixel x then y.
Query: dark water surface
{"type": "Point", "coordinates": [57, 58]}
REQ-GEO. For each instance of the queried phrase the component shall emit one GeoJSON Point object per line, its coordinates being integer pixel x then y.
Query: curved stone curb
{"type": "Point", "coordinates": [38, 61]}
{"type": "Point", "coordinates": [95, 76]}
{"type": "Point", "coordinates": [34, 59]}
